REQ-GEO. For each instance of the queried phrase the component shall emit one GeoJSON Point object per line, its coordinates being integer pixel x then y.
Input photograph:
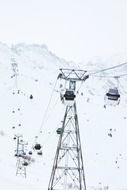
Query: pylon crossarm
{"type": "Point", "coordinates": [72, 74]}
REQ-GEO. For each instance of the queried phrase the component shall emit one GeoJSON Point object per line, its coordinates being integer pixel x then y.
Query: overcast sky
{"type": "Point", "coordinates": [73, 29]}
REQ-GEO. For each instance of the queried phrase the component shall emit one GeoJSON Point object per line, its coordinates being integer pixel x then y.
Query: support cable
{"type": "Point", "coordinates": [107, 69]}
{"type": "Point", "coordinates": [115, 76]}
{"type": "Point", "coordinates": [46, 111]}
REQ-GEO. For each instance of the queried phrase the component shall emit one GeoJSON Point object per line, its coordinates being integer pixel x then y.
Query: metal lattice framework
{"type": "Point", "coordinates": [20, 152]}
{"type": "Point", "coordinates": [21, 168]}
{"type": "Point", "coordinates": [73, 75]}
{"type": "Point", "coordinates": [68, 170]}
{"type": "Point", "coordinates": [15, 72]}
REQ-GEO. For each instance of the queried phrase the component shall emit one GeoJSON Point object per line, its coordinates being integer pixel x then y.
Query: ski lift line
{"type": "Point", "coordinates": [51, 135]}
{"type": "Point", "coordinates": [47, 118]}
{"type": "Point", "coordinates": [53, 132]}
{"type": "Point", "coordinates": [122, 75]}
{"type": "Point", "coordinates": [115, 76]}
{"type": "Point", "coordinates": [104, 76]}
{"type": "Point", "coordinates": [109, 68]}
{"type": "Point", "coordinates": [43, 120]}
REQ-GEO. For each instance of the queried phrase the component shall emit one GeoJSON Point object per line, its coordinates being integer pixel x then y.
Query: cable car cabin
{"type": "Point", "coordinates": [25, 163]}
{"type": "Point", "coordinates": [68, 98]}
{"type": "Point", "coordinates": [37, 147]}
{"type": "Point", "coordinates": [59, 131]}
{"type": "Point", "coordinates": [39, 153]}
{"type": "Point", "coordinates": [113, 94]}
{"type": "Point", "coordinates": [113, 97]}
{"type": "Point", "coordinates": [30, 153]}
{"type": "Point", "coordinates": [69, 95]}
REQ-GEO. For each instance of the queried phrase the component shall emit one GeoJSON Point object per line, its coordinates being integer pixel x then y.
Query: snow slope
{"type": "Point", "coordinates": [105, 157]}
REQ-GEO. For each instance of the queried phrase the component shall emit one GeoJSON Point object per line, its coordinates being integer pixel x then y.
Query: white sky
{"type": "Point", "coordinates": [73, 29]}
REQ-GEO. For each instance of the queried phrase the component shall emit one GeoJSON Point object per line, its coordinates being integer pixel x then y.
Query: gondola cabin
{"type": "Point", "coordinates": [68, 97]}
{"type": "Point", "coordinates": [113, 96]}
{"type": "Point", "coordinates": [25, 163]}
{"type": "Point", "coordinates": [59, 131]}
{"type": "Point", "coordinates": [37, 147]}
{"type": "Point", "coordinates": [39, 153]}
{"type": "Point", "coordinates": [30, 153]}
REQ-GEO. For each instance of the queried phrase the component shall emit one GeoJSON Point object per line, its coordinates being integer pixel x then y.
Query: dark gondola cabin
{"type": "Point", "coordinates": [25, 163]}
{"type": "Point", "coordinates": [113, 94]}
{"type": "Point", "coordinates": [39, 153]}
{"type": "Point", "coordinates": [37, 147]}
{"type": "Point", "coordinates": [69, 95]}
{"type": "Point", "coordinates": [59, 131]}
{"type": "Point", "coordinates": [30, 153]}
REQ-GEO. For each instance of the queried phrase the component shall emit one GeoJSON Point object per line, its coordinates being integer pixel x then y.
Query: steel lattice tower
{"type": "Point", "coordinates": [21, 168]}
{"type": "Point", "coordinates": [20, 154]}
{"type": "Point", "coordinates": [68, 170]}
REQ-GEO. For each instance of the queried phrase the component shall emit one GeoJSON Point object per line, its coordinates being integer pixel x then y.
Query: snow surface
{"type": "Point", "coordinates": [105, 157]}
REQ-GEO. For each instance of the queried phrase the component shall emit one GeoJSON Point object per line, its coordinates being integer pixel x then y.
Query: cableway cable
{"type": "Point", "coordinates": [46, 111]}
{"type": "Point", "coordinates": [115, 76]}
{"type": "Point", "coordinates": [109, 68]}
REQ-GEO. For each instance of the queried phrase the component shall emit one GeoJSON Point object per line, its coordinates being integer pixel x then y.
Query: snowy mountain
{"type": "Point", "coordinates": [30, 105]}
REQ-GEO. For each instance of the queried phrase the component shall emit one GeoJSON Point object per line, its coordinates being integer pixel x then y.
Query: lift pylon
{"type": "Point", "coordinates": [68, 170]}
{"type": "Point", "coordinates": [20, 154]}
{"type": "Point", "coordinates": [15, 72]}
{"type": "Point", "coordinates": [21, 168]}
